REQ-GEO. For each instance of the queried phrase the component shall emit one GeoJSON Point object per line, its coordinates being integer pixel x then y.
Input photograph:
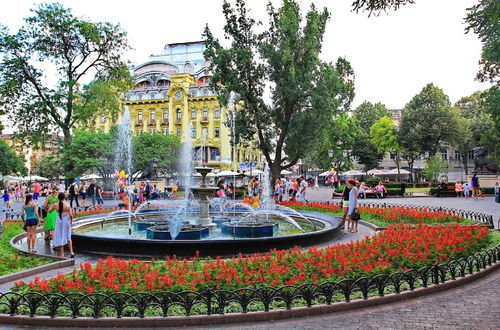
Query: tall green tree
{"type": "Point", "coordinates": [341, 139]}
{"type": "Point", "coordinates": [49, 166]}
{"type": "Point", "coordinates": [384, 137]}
{"type": "Point", "coordinates": [163, 148]}
{"type": "Point", "coordinates": [435, 167]}
{"type": "Point", "coordinates": [366, 114]}
{"type": "Point", "coordinates": [10, 162]}
{"type": "Point", "coordinates": [491, 137]}
{"type": "Point", "coordinates": [430, 121]}
{"type": "Point", "coordinates": [90, 152]}
{"type": "Point", "coordinates": [305, 91]}
{"type": "Point", "coordinates": [473, 109]}
{"type": "Point", "coordinates": [54, 43]}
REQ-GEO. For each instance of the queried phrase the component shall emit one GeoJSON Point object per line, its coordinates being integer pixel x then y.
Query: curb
{"type": "Point", "coordinates": [204, 320]}
{"type": "Point", "coordinates": [33, 271]}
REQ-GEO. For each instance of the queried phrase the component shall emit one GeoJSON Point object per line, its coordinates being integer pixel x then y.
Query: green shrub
{"type": "Point", "coordinates": [373, 181]}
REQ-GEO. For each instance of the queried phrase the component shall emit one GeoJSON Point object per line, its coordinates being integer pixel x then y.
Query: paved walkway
{"type": "Point", "coordinates": [472, 306]}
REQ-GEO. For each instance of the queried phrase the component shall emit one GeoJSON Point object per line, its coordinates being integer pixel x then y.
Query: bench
{"type": "Point", "coordinates": [449, 191]}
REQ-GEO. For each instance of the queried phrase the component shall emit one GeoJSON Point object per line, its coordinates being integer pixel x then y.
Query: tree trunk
{"type": "Point", "coordinates": [410, 167]}
{"type": "Point", "coordinates": [275, 169]}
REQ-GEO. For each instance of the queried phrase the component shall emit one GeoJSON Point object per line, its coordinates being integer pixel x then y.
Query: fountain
{"type": "Point", "coordinates": [200, 223]}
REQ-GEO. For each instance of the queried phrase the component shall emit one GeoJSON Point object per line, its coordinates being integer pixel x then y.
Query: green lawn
{"type": "Point", "coordinates": [11, 260]}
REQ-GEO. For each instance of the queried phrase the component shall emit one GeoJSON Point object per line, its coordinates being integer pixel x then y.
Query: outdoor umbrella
{"type": "Point", "coordinates": [90, 177]}
{"type": "Point", "coordinates": [253, 173]}
{"type": "Point", "coordinates": [12, 178]}
{"type": "Point", "coordinates": [35, 178]}
{"type": "Point", "coordinates": [285, 172]}
{"type": "Point", "coordinates": [377, 172]}
{"type": "Point", "coordinates": [395, 171]}
{"type": "Point", "coordinates": [326, 173]}
{"type": "Point", "coordinates": [353, 173]}
{"type": "Point", "coordinates": [227, 173]}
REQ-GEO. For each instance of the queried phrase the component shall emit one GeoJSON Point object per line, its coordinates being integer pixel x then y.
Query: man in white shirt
{"type": "Point", "coordinates": [302, 189]}
{"type": "Point", "coordinates": [288, 187]}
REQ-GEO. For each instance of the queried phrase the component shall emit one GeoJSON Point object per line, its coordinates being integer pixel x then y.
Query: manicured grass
{"type": "Point", "coordinates": [10, 260]}
{"type": "Point", "coordinates": [418, 190]}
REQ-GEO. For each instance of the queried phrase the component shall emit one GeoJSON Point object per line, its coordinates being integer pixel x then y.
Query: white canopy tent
{"type": "Point", "coordinates": [326, 173]}
{"type": "Point", "coordinates": [285, 172]}
{"type": "Point", "coordinates": [90, 177]}
{"type": "Point", "coordinates": [353, 173]}
{"type": "Point", "coordinates": [227, 173]}
{"type": "Point", "coordinates": [253, 173]}
{"type": "Point", "coordinates": [12, 178]}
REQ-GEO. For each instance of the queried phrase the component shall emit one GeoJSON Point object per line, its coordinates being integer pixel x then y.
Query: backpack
{"type": "Point", "coordinates": [72, 189]}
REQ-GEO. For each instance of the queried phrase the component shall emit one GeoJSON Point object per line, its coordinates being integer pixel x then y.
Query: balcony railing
{"type": "Point", "coordinates": [138, 123]}
{"type": "Point", "coordinates": [152, 122]}
{"type": "Point", "coordinates": [164, 122]}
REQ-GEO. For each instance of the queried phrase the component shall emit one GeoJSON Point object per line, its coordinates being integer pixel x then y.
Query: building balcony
{"type": "Point", "coordinates": [152, 122]}
{"type": "Point", "coordinates": [164, 122]}
{"type": "Point", "coordinates": [204, 120]}
{"type": "Point", "coordinates": [178, 121]}
{"type": "Point", "coordinates": [138, 123]}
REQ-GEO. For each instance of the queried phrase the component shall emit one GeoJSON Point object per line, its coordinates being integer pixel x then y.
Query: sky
{"type": "Point", "coordinates": [393, 55]}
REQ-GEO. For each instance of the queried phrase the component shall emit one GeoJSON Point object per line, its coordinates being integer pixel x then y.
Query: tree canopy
{"type": "Point", "coordinates": [44, 68]}
{"type": "Point", "coordinates": [306, 92]}
{"type": "Point", "coordinates": [163, 148]}
{"type": "Point", "coordinates": [10, 163]}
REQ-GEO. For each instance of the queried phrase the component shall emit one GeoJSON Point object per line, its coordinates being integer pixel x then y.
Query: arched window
{"type": "Point", "coordinates": [193, 113]}
{"type": "Point", "coordinates": [205, 113]}
{"type": "Point", "coordinates": [163, 83]}
{"type": "Point", "coordinates": [139, 116]}
{"type": "Point", "coordinates": [179, 115]}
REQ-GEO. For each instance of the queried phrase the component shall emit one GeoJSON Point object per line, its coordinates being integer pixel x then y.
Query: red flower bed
{"type": "Point", "coordinates": [387, 215]}
{"type": "Point", "coordinates": [396, 249]}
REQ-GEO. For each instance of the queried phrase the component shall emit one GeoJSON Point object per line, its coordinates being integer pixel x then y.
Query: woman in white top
{"type": "Point", "coordinates": [352, 225]}
{"type": "Point", "coordinates": [62, 232]}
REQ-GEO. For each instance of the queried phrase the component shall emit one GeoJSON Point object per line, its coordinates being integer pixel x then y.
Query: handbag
{"type": "Point", "coordinates": [355, 216]}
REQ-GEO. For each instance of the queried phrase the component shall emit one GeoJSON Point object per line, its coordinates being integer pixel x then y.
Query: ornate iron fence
{"type": "Point", "coordinates": [144, 304]}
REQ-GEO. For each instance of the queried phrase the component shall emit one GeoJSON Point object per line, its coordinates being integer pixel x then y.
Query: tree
{"type": "Point", "coordinates": [385, 138]}
{"type": "Point", "coordinates": [49, 166]}
{"type": "Point", "coordinates": [76, 49]}
{"type": "Point", "coordinates": [305, 91]}
{"type": "Point", "coordinates": [483, 19]}
{"type": "Point", "coordinates": [90, 152]}
{"type": "Point", "coordinates": [377, 6]}
{"type": "Point", "coordinates": [341, 138]}
{"type": "Point", "coordinates": [479, 121]}
{"type": "Point", "coordinates": [10, 163]}
{"type": "Point", "coordinates": [163, 148]}
{"type": "Point", "coordinates": [435, 167]}
{"type": "Point", "coordinates": [491, 137]}
{"type": "Point", "coordinates": [366, 114]}
{"type": "Point", "coordinates": [429, 121]}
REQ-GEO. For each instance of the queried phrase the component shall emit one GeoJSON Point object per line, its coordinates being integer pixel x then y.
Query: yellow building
{"type": "Point", "coordinates": [172, 96]}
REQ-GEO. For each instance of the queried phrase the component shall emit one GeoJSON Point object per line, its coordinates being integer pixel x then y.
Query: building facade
{"type": "Point", "coordinates": [172, 96]}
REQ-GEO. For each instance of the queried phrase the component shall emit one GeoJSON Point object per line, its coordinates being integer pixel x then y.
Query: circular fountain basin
{"type": "Point", "coordinates": [190, 232]}
{"type": "Point", "coordinates": [250, 229]}
{"type": "Point", "coordinates": [113, 238]}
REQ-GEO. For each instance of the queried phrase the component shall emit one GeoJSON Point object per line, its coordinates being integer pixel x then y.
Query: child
{"type": "Point", "coordinates": [247, 200]}
{"type": "Point", "coordinates": [6, 199]}
{"type": "Point", "coordinates": [466, 188]}
{"type": "Point", "coordinates": [256, 200]}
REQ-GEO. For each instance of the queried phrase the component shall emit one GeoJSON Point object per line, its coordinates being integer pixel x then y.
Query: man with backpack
{"type": "Point", "coordinates": [73, 191]}
{"type": "Point", "coordinates": [91, 192]}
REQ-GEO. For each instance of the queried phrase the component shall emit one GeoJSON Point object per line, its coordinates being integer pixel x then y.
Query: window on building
{"type": "Point", "coordinates": [470, 154]}
{"type": "Point", "coordinates": [103, 118]}
{"type": "Point", "coordinates": [164, 131]}
{"type": "Point", "coordinates": [151, 131]}
{"type": "Point", "coordinates": [139, 131]}
{"type": "Point", "coordinates": [165, 115]}
{"type": "Point", "coordinates": [179, 132]}
{"type": "Point", "coordinates": [444, 154]}
{"type": "Point", "coordinates": [179, 114]}
{"type": "Point", "coordinates": [217, 132]}
{"type": "Point", "coordinates": [214, 154]}
{"type": "Point", "coordinates": [153, 115]}
{"type": "Point", "coordinates": [204, 132]}
{"type": "Point", "coordinates": [457, 154]}
{"type": "Point", "coordinates": [193, 113]}
{"type": "Point", "coordinates": [139, 116]}
{"type": "Point", "coordinates": [205, 113]}
{"type": "Point", "coordinates": [217, 113]}
{"type": "Point", "coordinates": [193, 132]}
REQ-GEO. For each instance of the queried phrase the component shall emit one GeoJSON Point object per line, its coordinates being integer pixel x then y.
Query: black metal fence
{"type": "Point", "coordinates": [144, 304]}
{"type": "Point", "coordinates": [471, 215]}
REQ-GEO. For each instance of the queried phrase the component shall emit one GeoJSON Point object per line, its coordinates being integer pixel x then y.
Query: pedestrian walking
{"type": "Point", "coordinates": [30, 218]}
{"type": "Point", "coordinates": [83, 193]}
{"type": "Point", "coordinates": [50, 220]}
{"type": "Point", "coordinates": [352, 225]}
{"type": "Point", "coordinates": [496, 191]}
{"type": "Point", "coordinates": [475, 186]}
{"type": "Point", "coordinates": [36, 190]}
{"type": "Point", "coordinates": [91, 191]}
{"type": "Point", "coordinates": [73, 191]}
{"type": "Point", "coordinates": [62, 233]}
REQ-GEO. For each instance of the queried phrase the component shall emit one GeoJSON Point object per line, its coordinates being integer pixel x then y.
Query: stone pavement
{"type": "Point", "coordinates": [475, 305]}
{"type": "Point", "coordinates": [485, 205]}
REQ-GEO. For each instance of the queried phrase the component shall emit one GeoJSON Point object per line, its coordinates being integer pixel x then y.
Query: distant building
{"type": "Point", "coordinates": [31, 155]}
{"type": "Point", "coordinates": [172, 96]}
